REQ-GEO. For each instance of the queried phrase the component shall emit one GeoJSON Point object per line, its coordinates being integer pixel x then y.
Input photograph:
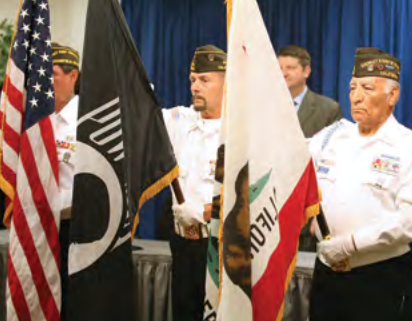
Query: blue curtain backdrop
{"type": "Point", "coordinates": [166, 33]}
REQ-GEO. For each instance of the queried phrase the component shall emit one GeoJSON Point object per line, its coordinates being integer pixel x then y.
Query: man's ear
{"type": "Point", "coordinates": [74, 74]}
{"type": "Point", "coordinates": [393, 96]}
{"type": "Point", "coordinates": [306, 71]}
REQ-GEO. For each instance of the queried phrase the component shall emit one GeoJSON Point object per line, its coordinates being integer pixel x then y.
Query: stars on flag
{"type": "Point", "coordinates": [41, 71]}
{"type": "Point", "coordinates": [43, 6]}
{"type": "Point", "coordinates": [34, 102]}
{"type": "Point", "coordinates": [33, 53]}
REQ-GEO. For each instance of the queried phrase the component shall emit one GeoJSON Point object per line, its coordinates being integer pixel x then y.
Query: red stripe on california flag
{"type": "Point", "coordinates": [14, 96]}
{"type": "Point", "coordinates": [16, 292]}
{"type": "Point", "coordinates": [267, 299]}
{"type": "Point", "coordinates": [39, 197]}
{"type": "Point", "coordinates": [47, 301]}
{"type": "Point", "coordinates": [47, 133]}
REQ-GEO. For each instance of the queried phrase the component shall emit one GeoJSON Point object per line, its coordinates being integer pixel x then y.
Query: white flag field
{"type": "Point", "coordinates": [269, 188]}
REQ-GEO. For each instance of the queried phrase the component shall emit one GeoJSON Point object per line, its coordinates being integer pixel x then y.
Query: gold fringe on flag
{"type": "Point", "coordinates": [221, 242]}
{"type": "Point", "coordinates": [312, 210]}
{"type": "Point", "coordinates": [152, 191]}
{"type": "Point", "coordinates": [229, 6]}
{"type": "Point", "coordinates": [4, 185]}
{"type": "Point", "coordinates": [287, 281]}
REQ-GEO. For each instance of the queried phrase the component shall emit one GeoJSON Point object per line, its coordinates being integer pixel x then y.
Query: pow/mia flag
{"type": "Point", "coordinates": [123, 157]}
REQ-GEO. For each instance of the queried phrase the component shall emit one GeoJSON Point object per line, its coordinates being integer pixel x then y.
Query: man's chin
{"type": "Point", "coordinates": [199, 108]}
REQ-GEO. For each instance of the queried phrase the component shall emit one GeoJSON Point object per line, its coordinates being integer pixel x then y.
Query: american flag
{"type": "Point", "coordinates": [29, 170]}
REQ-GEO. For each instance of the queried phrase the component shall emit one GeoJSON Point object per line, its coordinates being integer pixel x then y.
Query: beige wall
{"type": "Point", "coordinates": [67, 19]}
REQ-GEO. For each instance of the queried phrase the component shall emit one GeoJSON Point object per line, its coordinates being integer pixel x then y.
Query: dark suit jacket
{"type": "Point", "coordinates": [317, 112]}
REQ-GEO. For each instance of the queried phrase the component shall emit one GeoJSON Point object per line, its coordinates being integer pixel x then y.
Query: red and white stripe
{"type": "Point", "coordinates": [263, 131]}
{"type": "Point", "coordinates": [29, 170]}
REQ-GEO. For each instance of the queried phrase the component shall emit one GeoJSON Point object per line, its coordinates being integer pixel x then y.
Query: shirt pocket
{"type": "Point", "coordinates": [378, 182]}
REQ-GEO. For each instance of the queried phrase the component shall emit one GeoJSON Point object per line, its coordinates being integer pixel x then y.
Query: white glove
{"type": "Point", "coordinates": [188, 213]}
{"type": "Point", "coordinates": [336, 249]}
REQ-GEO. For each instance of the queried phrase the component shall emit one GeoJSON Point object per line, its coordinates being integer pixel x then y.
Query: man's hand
{"type": "Point", "coordinates": [337, 249]}
{"type": "Point", "coordinates": [207, 212]}
{"type": "Point", "coordinates": [188, 213]}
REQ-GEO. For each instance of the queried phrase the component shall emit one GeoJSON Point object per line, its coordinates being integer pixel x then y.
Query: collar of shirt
{"type": "Point", "coordinates": [206, 125]}
{"type": "Point", "coordinates": [386, 133]}
{"type": "Point", "coordinates": [69, 112]}
{"type": "Point", "coordinates": [299, 98]}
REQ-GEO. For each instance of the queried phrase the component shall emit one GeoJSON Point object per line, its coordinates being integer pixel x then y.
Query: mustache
{"type": "Point", "coordinates": [355, 109]}
{"type": "Point", "coordinates": [197, 97]}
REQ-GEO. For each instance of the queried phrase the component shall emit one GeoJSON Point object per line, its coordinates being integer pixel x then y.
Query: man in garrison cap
{"type": "Point", "coordinates": [65, 77]}
{"type": "Point", "coordinates": [364, 170]}
{"type": "Point", "coordinates": [194, 133]}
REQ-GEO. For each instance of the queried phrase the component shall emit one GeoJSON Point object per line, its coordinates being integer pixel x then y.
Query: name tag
{"type": "Point", "coordinates": [323, 169]}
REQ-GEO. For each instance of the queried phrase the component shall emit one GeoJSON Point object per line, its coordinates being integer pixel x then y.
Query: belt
{"type": "Point", "coordinates": [66, 213]}
{"type": "Point", "coordinates": [193, 232]}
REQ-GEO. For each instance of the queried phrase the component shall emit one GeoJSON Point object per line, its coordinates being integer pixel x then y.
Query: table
{"type": "Point", "coordinates": [153, 265]}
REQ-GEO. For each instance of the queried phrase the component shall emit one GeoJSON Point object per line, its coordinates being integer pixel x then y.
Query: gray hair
{"type": "Point", "coordinates": [390, 83]}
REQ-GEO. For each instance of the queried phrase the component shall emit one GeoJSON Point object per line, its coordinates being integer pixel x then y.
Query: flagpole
{"type": "Point", "coordinates": [178, 191]}
{"type": "Point", "coordinates": [323, 224]}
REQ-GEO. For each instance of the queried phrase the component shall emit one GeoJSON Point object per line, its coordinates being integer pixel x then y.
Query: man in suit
{"type": "Point", "coordinates": [315, 112]}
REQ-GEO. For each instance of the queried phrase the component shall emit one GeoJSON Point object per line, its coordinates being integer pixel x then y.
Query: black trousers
{"type": "Point", "coordinates": [64, 238]}
{"type": "Point", "coordinates": [376, 292]}
{"type": "Point", "coordinates": [188, 277]}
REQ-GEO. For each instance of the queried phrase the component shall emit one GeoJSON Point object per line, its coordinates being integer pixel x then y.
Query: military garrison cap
{"type": "Point", "coordinates": [372, 62]}
{"type": "Point", "coordinates": [208, 58]}
{"type": "Point", "coordinates": [63, 55]}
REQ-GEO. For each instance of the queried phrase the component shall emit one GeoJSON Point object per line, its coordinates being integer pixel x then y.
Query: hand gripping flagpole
{"type": "Point", "coordinates": [325, 231]}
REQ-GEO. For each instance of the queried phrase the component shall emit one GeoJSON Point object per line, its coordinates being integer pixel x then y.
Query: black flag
{"type": "Point", "coordinates": [123, 158]}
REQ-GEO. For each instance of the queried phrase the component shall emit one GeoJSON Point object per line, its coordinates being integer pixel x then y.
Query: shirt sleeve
{"type": "Point", "coordinates": [395, 229]}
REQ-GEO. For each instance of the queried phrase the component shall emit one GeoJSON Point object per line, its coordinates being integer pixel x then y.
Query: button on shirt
{"type": "Point", "coordinates": [366, 185]}
{"type": "Point", "coordinates": [195, 141]}
{"type": "Point", "coordinates": [65, 134]}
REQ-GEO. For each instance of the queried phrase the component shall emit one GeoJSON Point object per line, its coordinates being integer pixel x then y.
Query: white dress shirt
{"type": "Point", "coordinates": [366, 185]}
{"type": "Point", "coordinates": [195, 141]}
{"type": "Point", "coordinates": [65, 134]}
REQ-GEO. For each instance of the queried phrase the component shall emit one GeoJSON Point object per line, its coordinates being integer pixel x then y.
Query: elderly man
{"type": "Point", "coordinates": [365, 173]}
{"type": "Point", "coordinates": [194, 133]}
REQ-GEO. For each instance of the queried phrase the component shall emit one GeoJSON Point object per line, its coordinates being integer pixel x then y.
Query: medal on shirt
{"type": "Point", "coordinates": [66, 145]}
{"type": "Point", "coordinates": [212, 164]}
{"type": "Point", "coordinates": [386, 164]}
{"type": "Point", "coordinates": [66, 157]}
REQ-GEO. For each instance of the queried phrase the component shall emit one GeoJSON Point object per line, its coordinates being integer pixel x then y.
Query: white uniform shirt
{"type": "Point", "coordinates": [65, 134]}
{"type": "Point", "coordinates": [366, 185]}
{"type": "Point", "coordinates": [195, 142]}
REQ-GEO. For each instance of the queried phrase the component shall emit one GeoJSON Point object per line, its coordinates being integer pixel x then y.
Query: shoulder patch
{"type": "Point", "coordinates": [175, 113]}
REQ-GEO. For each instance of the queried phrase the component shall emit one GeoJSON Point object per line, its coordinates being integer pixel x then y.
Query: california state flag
{"type": "Point", "coordinates": [269, 187]}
